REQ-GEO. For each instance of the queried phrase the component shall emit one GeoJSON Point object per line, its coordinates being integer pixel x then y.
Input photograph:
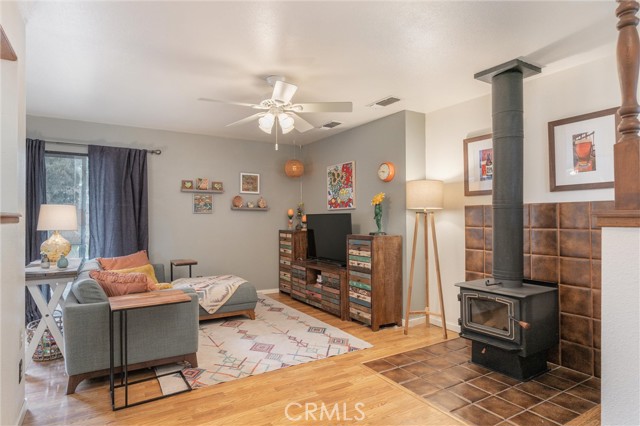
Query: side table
{"type": "Point", "coordinates": [182, 262]}
{"type": "Point", "coordinates": [121, 305]}
{"type": "Point", "coordinates": [57, 279]}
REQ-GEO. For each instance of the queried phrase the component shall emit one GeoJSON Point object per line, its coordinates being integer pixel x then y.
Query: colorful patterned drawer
{"type": "Point", "coordinates": [285, 256]}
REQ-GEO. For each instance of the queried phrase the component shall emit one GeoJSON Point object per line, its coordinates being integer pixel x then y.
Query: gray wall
{"type": "Point", "coordinates": [244, 243]}
{"type": "Point", "coordinates": [399, 138]}
{"type": "Point", "coordinates": [368, 145]}
{"type": "Point", "coordinates": [235, 242]}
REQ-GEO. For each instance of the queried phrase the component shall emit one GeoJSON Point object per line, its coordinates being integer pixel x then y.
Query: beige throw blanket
{"type": "Point", "coordinates": [213, 292]}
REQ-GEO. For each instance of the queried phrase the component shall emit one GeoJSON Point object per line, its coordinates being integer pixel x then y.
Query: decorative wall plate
{"type": "Point", "coordinates": [237, 201]}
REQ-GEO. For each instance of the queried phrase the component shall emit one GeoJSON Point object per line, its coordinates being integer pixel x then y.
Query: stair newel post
{"type": "Point", "coordinates": [627, 148]}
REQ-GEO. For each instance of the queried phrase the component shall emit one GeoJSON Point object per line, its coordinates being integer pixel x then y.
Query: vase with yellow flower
{"type": "Point", "coordinates": [376, 202]}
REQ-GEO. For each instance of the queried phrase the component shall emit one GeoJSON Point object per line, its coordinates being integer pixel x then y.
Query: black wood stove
{"type": "Point", "coordinates": [511, 328]}
{"type": "Point", "coordinates": [512, 324]}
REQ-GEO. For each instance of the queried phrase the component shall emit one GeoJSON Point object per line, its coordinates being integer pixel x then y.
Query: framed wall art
{"type": "Point", "coordinates": [341, 186]}
{"type": "Point", "coordinates": [187, 184]}
{"type": "Point", "coordinates": [478, 165]}
{"type": "Point", "coordinates": [249, 183]}
{"type": "Point", "coordinates": [581, 151]}
{"type": "Point", "coordinates": [202, 184]}
{"type": "Point", "coordinates": [202, 203]}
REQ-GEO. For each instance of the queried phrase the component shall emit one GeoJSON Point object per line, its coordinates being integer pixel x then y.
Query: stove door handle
{"type": "Point", "coordinates": [522, 324]}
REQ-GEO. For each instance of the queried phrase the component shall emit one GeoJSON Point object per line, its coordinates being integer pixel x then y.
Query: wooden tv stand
{"type": "Point", "coordinates": [329, 293]}
{"type": "Point", "coordinates": [368, 291]}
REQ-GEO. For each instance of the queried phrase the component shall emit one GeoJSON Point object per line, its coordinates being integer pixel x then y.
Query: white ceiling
{"type": "Point", "coordinates": [145, 63]}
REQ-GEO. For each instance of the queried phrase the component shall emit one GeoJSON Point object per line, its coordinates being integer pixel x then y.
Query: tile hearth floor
{"type": "Point", "coordinates": [443, 375]}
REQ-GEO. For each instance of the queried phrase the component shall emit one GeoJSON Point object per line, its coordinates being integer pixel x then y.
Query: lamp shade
{"type": "Point", "coordinates": [286, 122]}
{"type": "Point", "coordinates": [57, 217]}
{"type": "Point", "coordinates": [425, 195]}
{"type": "Point", "coordinates": [265, 123]}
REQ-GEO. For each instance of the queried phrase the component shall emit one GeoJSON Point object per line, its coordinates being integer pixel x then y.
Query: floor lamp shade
{"type": "Point", "coordinates": [425, 195]}
{"type": "Point", "coordinates": [57, 217]}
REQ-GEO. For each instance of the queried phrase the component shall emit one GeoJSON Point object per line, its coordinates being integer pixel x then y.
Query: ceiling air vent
{"type": "Point", "coordinates": [384, 102]}
{"type": "Point", "coordinates": [331, 124]}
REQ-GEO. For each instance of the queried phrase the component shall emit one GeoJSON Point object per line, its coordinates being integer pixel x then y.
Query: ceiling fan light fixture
{"type": "Point", "coordinates": [286, 122]}
{"type": "Point", "coordinates": [265, 123]}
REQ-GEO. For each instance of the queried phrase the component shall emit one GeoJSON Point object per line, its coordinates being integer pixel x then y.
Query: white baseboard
{"type": "Point", "coordinates": [269, 290]}
{"type": "Point", "coordinates": [435, 321]}
{"type": "Point", "coordinates": [413, 321]}
{"type": "Point", "coordinates": [23, 412]}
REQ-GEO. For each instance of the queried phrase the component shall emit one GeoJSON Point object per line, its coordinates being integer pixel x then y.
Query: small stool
{"type": "Point", "coordinates": [182, 262]}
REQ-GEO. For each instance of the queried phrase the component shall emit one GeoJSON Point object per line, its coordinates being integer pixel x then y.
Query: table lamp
{"type": "Point", "coordinates": [425, 196]}
{"type": "Point", "coordinates": [57, 217]}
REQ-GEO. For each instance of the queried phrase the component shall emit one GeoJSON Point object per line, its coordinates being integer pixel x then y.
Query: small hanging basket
{"type": "Point", "coordinates": [47, 349]}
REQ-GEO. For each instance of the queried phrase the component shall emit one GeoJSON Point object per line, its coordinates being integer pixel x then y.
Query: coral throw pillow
{"type": "Point", "coordinates": [146, 269]}
{"type": "Point", "coordinates": [122, 262]}
{"type": "Point", "coordinates": [117, 284]}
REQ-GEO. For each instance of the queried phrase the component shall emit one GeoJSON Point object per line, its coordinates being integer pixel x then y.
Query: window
{"type": "Point", "coordinates": [68, 183]}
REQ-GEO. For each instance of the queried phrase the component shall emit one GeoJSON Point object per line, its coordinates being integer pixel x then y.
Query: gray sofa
{"type": "Point", "coordinates": [157, 335]}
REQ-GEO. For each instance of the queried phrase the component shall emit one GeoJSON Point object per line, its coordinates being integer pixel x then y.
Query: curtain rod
{"type": "Point", "coordinates": [149, 151]}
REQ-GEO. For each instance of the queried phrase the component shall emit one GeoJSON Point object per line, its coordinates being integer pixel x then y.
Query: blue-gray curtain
{"type": "Point", "coordinates": [118, 205]}
{"type": "Point", "coordinates": [36, 195]}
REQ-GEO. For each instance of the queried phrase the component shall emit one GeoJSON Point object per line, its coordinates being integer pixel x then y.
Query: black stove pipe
{"type": "Point", "coordinates": [508, 137]}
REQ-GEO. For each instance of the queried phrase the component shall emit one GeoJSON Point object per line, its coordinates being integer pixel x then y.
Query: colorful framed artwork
{"type": "Point", "coordinates": [478, 165]}
{"type": "Point", "coordinates": [249, 183]}
{"type": "Point", "coordinates": [202, 203]}
{"type": "Point", "coordinates": [217, 186]}
{"type": "Point", "coordinates": [186, 184]}
{"type": "Point", "coordinates": [202, 184]}
{"type": "Point", "coordinates": [581, 151]}
{"type": "Point", "coordinates": [341, 186]}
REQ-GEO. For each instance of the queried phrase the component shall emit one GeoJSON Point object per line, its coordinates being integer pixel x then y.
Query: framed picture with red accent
{"type": "Point", "coordinates": [478, 165]}
{"type": "Point", "coordinates": [581, 151]}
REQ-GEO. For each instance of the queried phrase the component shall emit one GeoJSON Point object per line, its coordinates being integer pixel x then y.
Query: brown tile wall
{"type": "Point", "coordinates": [561, 245]}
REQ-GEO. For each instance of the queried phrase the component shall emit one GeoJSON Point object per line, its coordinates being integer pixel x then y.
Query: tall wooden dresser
{"type": "Point", "coordinates": [374, 274]}
{"type": "Point", "coordinates": [292, 247]}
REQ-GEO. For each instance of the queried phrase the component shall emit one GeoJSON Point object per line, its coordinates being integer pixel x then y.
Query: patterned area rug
{"type": "Point", "coordinates": [279, 337]}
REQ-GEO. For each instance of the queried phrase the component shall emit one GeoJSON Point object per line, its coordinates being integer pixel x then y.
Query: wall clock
{"type": "Point", "coordinates": [386, 171]}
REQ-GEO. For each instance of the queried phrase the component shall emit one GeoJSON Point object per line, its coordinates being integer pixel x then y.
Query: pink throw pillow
{"type": "Point", "coordinates": [118, 284]}
{"type": "Point", "coordinates": [123, 262]}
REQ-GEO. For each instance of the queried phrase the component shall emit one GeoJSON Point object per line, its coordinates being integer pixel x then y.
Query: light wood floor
{"type": "Point", "coordinates": [262, 399]}
{"type": "Point", "coordinates": [257, 400]}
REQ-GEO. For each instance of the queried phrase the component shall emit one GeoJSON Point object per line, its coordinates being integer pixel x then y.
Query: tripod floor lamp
{"type": "Point", "coordinates": [425, 196]}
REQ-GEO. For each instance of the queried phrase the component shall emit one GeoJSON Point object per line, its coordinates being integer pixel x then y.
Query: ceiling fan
{"type": "Point", "coordinates": [279, 108]}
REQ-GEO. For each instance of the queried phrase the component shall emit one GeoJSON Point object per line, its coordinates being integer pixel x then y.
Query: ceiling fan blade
{"type": "Point", "coordinates": [283, 91]}
{"type": "Point", "coordinates": [246, 119]}
{"type": "Point", "coordinates": [323, 107]}
{"type": "Point", "coordinates": [231, 103]}
{"type": "Point", "coordinates": [300, 123]}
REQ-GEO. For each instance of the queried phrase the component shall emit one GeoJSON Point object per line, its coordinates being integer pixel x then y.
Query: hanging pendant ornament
{"type": "Point", "coordinates": [294, 168]}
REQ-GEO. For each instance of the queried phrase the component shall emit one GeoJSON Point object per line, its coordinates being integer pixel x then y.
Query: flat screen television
{"type": "Point", "coordinates": [327, 237]}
